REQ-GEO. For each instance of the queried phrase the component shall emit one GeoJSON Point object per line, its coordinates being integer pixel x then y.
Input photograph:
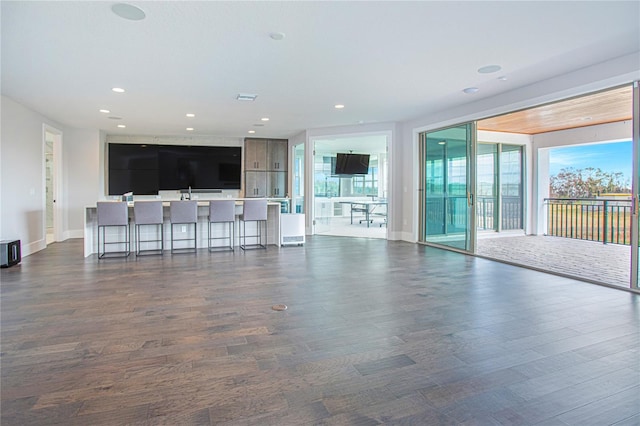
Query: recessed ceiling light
{"type": "Point", "coordinates": [277, 36]}
{"type": "Point", "coordinates": [246, 97]}
{"type": "Point", "coordinates": [105, 111]}
{"type": "Point", "coordinates": [190, 115]}
{"type": "Point", "coordinates": [265, 119]}
{"type": "Point", "coordinates": [502, 78]}
{"type": "Point", "coordinates": [189, 129]}
{"type": "Point", "coordinates": [251, 131]}
{"type": "Point", "coordinates": [128, 11]}
{"type": "Point", "coordinates": [488, 69]}
{"type": "Point", "coordinates": [118, 90]}
{"type": "Point", "coordinates": [122, 126]}
{"type": "Point", "coordinates": [470, 90]}
{"type": "Point", "coordinates": [338, 106]}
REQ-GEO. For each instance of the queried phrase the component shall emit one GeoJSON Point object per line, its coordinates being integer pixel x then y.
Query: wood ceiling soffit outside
{"type": "Point", "coordinates": [599, 108]}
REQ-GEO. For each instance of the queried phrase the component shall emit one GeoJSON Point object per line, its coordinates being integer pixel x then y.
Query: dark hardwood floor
{"type": "Point", "coordinates": [377, 332]}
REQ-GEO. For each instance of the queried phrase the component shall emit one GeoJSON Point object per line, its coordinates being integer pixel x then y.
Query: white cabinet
{"type": "Point", "coordinates": [291, 229]}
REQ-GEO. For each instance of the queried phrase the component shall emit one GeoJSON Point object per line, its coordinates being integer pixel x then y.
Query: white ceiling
{"type": "Point", "coordinates": [385, 61]}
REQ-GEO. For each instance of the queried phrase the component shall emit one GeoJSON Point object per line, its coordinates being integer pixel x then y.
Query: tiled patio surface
{"type": "Point", "coordinates": [604, 263]}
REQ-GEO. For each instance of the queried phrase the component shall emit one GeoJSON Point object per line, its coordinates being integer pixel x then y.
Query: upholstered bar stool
{"type": "Point", "coordinates": [147, 214]}
{"type": "Point", "coordinates": [113, 214]}
{"type": "Point", "coordinates": [184, 213]}
{"type": "Point", "coordinates": [224, 212]}
{"type": "Point", "coordinates": [254, 210]}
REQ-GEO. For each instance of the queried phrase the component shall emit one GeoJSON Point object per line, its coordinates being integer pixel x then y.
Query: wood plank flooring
{"type": "Point", "coordinates": [377, 332]}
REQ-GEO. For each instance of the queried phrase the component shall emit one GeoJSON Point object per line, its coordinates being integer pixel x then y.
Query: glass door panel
{"type": "Point", "coordinates": [448, 195]}
{"type": "Point", "coordinates": [511, 191]}
{"type": "Point", "coordinates": [635, 236]}
{"type": "Point", "coordinates": [487, 195]}
{"type": "Point", "coordinates": [297, 196]}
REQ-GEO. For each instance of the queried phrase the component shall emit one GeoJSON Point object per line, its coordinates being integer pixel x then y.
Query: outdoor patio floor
{"type": "Point", "coordinates": [587, 260]}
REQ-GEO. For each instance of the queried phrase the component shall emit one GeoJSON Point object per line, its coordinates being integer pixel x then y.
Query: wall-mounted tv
{"type": "Point", "coordinates": [147, 169]}
{"type": "Point", "coordinates": [352, 164]}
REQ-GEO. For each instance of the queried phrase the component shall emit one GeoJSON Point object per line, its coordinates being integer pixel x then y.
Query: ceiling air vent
{"type": "Point", "coordinates": [246, 97]}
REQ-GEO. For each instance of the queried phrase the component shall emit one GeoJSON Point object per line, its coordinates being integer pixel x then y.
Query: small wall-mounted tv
{"type": "Point", "coordinates": [352, 164]}
{"type": "Point", "coordinates": [145, 169]}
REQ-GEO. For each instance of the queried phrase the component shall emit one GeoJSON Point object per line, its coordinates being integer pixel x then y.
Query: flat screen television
{"type": "Point", "coordinates": [147, 169]}
{"type": "Point", "coordinates": [352, 164]}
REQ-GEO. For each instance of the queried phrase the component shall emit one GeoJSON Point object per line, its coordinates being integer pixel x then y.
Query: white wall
{"type": "Point", "coordinates": [81, 178]}
{"type": "Point", "coordinates": [22, 176]}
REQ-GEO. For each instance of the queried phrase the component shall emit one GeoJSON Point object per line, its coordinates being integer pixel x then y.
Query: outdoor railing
{"type": "Point", "coordinates": [593, 219]}
{"type": "Point", "coordinates": [511, 213]}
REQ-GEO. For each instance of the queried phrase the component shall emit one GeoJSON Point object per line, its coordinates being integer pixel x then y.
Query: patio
{"type": "Point", "coordinates": [587, 260]}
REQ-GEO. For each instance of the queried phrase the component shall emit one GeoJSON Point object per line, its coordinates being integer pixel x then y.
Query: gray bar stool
{"type": "Point", "coordinates": [222, 211]}
{"type": "Point", "coordinates": [254, 211]}
{"type": "Point", "coordinates": [148, 213]}
{"type": "Point", "coordinates": [184, 213]}
{"type": "Point", "coordinates": [113, 214]}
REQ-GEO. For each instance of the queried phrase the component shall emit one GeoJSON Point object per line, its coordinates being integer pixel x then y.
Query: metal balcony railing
{"type": "Point", "coordinates": [511, 213]}
{"type": "Point", "coordinates": [592, 219]}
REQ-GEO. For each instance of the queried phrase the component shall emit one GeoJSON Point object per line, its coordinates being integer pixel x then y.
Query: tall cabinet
{"type": "Point", "coordinates": [265, 167]}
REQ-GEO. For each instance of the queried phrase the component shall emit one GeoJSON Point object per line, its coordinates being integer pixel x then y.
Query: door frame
{"type": "Point", "coordinates": [58, 194]}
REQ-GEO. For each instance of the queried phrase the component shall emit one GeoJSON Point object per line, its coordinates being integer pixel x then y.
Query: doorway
{"type": "Point", "coordinates": [52, 141]}
{"type": "Point", "coordinates": [351, 203]}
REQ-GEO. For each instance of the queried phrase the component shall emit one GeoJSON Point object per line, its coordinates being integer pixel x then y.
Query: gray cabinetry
{"type": "Point", "coordinates": [255, 184]}
{"type": "Point", "coordinates": [277, 155]}
{"type": "Point", "coordinates": [265, 167]}
{"type": "Point", "coordinates": [276, 184]}
{"type": "Point", "coordinates": [255, 154]}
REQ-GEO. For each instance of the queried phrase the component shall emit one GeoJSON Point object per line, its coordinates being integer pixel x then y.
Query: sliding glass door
{"type": "Point", "coordinates": [447, 182]}
{"type": "Point", "coordinates": [635, 213]}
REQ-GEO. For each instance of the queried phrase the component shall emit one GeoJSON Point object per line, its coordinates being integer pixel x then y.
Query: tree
{"type": "Point", "coordinates": [586, 183]}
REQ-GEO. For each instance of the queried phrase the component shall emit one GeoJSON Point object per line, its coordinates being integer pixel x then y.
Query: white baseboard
{"type": "Point", "coordinates": [73, 233]}
{"type": "Point", "coordinates": [33, 247]}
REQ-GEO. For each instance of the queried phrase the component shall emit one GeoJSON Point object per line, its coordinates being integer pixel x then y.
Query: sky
{"type": "Point", "coordinates": [610, 157]}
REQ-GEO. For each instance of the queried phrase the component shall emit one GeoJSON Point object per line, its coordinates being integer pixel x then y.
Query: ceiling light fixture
{"type": "Point", "coordinates": [128, 11]}
{"type": "Point", "coordinates": [190, 115]}
{"type": "Point", "coordinates": [265, 119]}
{"type": "Point", "coordinates": [488, 69]}
{"type": "Point", "coordinates": [122, 126]}
{"type": "Point", "coordinates": [251, 131]}
{"type": "Point", "coordinates": [502, 78]}
{"type": "Point", "coordinates": [470, 90]}
{"type": "Point", "coordinates": [189, 129]}
{"type": "Point", "coordinates": [277, 36]}
{"type": "Point", "coordinates": [105, 111]}
{"type": "Point", "coordinates": [246, 97]}
{"type": "Point", "coordinates": [338, 106]}
{"type": "Point", "coordinates": [118, 90]}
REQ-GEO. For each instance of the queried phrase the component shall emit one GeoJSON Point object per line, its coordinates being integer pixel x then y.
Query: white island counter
{"type": "Point", "coordinates": [273, 225]}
